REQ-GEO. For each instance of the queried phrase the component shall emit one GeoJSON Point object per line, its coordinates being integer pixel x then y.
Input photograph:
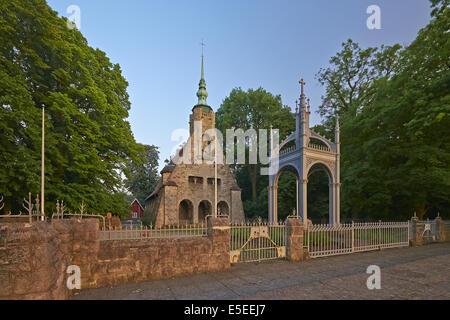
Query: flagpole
{"type": "Point", "coordinates": [215, 176]}
{"type": "Point", "coordinates": [42, 164]}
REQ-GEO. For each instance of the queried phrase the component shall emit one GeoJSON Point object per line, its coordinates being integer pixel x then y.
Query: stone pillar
{"type": "Point", "coordinates": [440, 230]}
{"type": "Point", "coordinates": [331, 203]}
{"type": "Point", "coordinates": [303, 199]}
{"type": "Point", "coordinates": [219, 234]}
{"type": "Point", "coordinates": [294, 239]}
{"type": "Point", "coordinates": [416, 232]}
{"type": "Point", "coordinates": [337, 208]}
{"type": "Point", "coordinates": [85, 248]}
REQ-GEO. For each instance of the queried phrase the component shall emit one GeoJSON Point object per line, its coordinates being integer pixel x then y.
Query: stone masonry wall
{"type": "Point", "coordinates": [133, 261]}
{"type": "Point", "coordinates": [34, 258]}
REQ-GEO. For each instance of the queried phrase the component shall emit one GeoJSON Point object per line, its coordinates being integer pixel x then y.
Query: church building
{"type": "Point", "coordinates": [186, 192]}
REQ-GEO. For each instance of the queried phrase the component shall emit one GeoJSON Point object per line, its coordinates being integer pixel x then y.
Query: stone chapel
{"type": "Point", "coordinates": [186, 192]}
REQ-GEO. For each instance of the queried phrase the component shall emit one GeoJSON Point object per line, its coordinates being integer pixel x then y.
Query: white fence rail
{"type": "Point", "coordinates": [327, 240]}
{"type": "Point", "coordinates": [143, 233]}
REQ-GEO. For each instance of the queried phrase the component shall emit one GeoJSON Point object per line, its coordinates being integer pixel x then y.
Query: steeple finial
{"type": "Point", "coordinates": [302, 96]}
{"type": "Point", "coordinates": [303, 83]}
{"type": "Point", "coordinates": [202, 94]}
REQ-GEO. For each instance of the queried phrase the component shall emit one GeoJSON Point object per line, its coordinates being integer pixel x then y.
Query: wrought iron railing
{"type": "Point", "coordinates": [33, 211]}
{"type": "Point", "coordinates": [145, 233]}
{"type": "Point", "coordinates": [328, 240]}
{"type": "Point", "coordinates": [61, 214]}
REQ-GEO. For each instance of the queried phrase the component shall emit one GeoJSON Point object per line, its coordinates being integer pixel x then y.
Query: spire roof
{"type": "Point", "coordinates": [202, 94]}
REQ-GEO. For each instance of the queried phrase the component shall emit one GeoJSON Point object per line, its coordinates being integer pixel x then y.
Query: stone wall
{"type": "Point", "coordinates": [34, 258]}
{"type": "Point", "coordinates": [121, 262]}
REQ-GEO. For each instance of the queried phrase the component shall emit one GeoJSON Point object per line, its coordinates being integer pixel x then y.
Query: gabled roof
{"type": "Point", "coordinates": [136, 200]}
{"type": "Point", "coordinates": [158, 187]}
{"type": "Point", "coordinates": [168, 168]}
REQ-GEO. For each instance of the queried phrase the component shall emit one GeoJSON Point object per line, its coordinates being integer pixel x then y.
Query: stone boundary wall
{"type": "Point", "coordinates": [34, 257]}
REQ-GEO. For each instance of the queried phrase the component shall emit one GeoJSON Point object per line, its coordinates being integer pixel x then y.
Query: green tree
{"type": "Point", "coordinates": [254, 109]}
{"type": "Point", "coordinates": [88, 140]}
{"type": "Point", "coordinates": [143, 174]}
{"type": "Point", "coordinates": [396, 148]}
{"type": "Point", "coordinates": [350, 79]}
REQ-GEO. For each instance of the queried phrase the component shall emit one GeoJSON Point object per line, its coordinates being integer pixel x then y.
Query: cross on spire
{"type": "Point", "coordinates": [203, 44]}
{"type": "Point", "coordinates": [303, 83]}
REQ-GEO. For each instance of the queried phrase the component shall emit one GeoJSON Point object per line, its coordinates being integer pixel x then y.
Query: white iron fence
{"type": "Point", "coordinates": [327, 240]}
{"type": "Point", "coordinates": [143, 233]}
{"type": "Point", "coordinates": [251, 242]}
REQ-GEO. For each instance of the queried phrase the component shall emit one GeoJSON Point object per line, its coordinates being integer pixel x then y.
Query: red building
{"type": "Point", "coordinates": [136, 210]}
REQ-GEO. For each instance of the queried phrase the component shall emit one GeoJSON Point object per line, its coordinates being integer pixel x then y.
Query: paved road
{"type": "Point", "coordinates": [406, 273]}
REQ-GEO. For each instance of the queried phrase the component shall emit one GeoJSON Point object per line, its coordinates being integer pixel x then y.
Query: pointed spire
{"type": "Point", "coordinates": [202, 94]}
{"type": "Point", "coordinates": [203, 71]}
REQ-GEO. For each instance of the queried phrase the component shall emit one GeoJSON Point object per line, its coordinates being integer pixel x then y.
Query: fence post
{"type": "Point", "coordinates": [294, 239]}
{"type": "Point", "coordinates": [440, 232]}
{"type": "Point", "coordinates": [409, 230]}
{"type": "Point", "coordinates": [353, 236]}
{"type": "Point", "coordinates": [379, 234]}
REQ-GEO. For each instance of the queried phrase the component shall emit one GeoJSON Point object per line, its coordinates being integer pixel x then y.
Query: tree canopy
{"type": "Point", "coordinates": [143, 173]}
{"type": "Point", "coordinates": [88, 139]}
{"type": "Point", "coordinates": [395, 144]}
{"type": "Point", "coordinates": [254, 109]}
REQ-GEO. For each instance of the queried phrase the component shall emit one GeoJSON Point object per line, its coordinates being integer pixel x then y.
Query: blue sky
{"type": "Point", "coordinates": [249, 44]}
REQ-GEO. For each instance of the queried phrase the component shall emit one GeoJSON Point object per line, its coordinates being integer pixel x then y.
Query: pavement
{"type": "Point", "coordinates": [406, 273]}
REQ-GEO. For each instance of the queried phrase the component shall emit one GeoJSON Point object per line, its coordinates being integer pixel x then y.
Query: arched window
{"type": "Point", "coordinates": [223, 208]}
{"type": "Point", "coordinates": [186, 212]}
{"type": "Point", "coordinates": [204, 209]}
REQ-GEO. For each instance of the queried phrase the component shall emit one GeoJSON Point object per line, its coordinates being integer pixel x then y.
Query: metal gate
{"type": "Point", "coordinates": [255, 242]}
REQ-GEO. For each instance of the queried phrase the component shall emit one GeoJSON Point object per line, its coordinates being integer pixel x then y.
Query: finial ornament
{"type": "Point", "coordinates": [303, 83]}
{"type": "Point", "coordinates": [203, 44]}
{"type": "Point", "coordinates": [296, 106]}
{"type": "Point", "coordinates": [302, 96]}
